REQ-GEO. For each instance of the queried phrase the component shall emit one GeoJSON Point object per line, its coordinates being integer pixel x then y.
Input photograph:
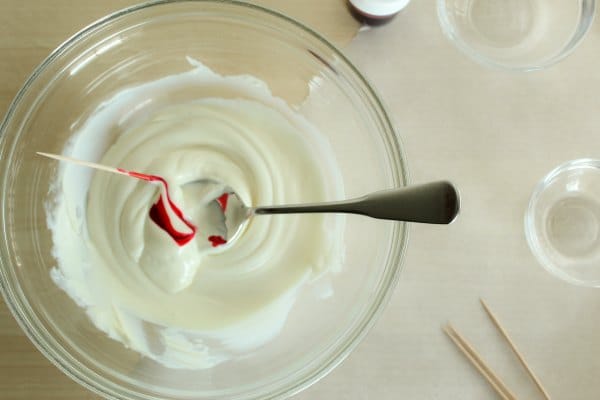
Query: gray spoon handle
{"type": "Point", "coordinates": [431, 203]}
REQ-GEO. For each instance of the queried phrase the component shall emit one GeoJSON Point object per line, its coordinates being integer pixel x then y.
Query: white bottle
{"type": "Point", "coordinates": [376, 12]}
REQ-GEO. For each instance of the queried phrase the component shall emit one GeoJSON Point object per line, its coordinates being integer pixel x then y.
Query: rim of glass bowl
{"type": "Point", "coordinates": [47, 345]}
{"type": "Point", "coordinates": [588, 12]}
{"type": "Point", "coordinates": [531, 232]}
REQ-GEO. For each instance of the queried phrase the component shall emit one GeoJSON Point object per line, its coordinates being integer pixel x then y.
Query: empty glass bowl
{"type": "Point", "coordinates": [562, 223]}
{"type": "Point", "coordinates": [149, 42]}
{"type": "Point", "coordinates": [521, 35]}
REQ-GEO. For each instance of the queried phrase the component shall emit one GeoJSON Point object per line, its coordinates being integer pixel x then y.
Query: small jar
{"type": "Point", "coordinates": [376, 12]}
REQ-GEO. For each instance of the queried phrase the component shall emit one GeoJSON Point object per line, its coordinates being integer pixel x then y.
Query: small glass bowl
{"type": "Point", "coordinates": [520, 35]}
{"type": "Point", "coordinates": [562, 222]}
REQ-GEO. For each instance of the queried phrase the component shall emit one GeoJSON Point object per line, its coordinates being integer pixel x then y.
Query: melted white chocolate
{"type": "Point", "coordinates": [194, 306]}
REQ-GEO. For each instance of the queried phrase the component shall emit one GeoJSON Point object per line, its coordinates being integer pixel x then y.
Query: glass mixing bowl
{"type": "Point", "coordinates": [142, 44]}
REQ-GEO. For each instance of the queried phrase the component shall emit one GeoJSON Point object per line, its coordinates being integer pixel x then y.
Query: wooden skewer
{"type": "Point", "coordinates": [478, 362]}
{"type": "Point", "coordinates": [515, 350]}
{"type": "Point", "coordinates": [85, 163]}
{"type": "Point", "coordinates": [113, 170]}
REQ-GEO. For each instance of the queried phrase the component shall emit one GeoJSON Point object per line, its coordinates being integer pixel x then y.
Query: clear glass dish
{"type": "Point", "coordinates": [562, 223]}
{"type": "Point", "coordinates": [520, 35]}
{"type": "Point", "coordinates": [142, 44]}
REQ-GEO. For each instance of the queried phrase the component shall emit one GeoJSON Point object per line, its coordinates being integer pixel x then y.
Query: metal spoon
{"type": "Point", "coordinates": [431, 203]}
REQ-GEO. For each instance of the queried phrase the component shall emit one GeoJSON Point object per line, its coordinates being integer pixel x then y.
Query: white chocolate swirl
{"type": "Point", "coordinates": [168, 301]}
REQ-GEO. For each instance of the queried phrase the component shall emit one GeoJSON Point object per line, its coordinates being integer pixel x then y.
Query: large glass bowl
{"type": "Point", "coordinates": [147, 42]}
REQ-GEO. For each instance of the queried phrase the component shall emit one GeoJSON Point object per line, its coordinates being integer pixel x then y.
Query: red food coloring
{"type": "Point", "coordinates": [159, 213]}
{"type": "Point", "coordinates": [217, 240]}
{"type": "Point", "coordinates": [160, 216]}
{"type": "Point", "coordinates": [222, 199]}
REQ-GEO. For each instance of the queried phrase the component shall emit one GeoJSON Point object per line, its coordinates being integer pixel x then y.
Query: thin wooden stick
{"type": "Point", "coordinates": [85, 163]}
{"type": "Point", "coordinates": [478, 362]}
{"type": "Point", "coordinates": [514, 349]}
